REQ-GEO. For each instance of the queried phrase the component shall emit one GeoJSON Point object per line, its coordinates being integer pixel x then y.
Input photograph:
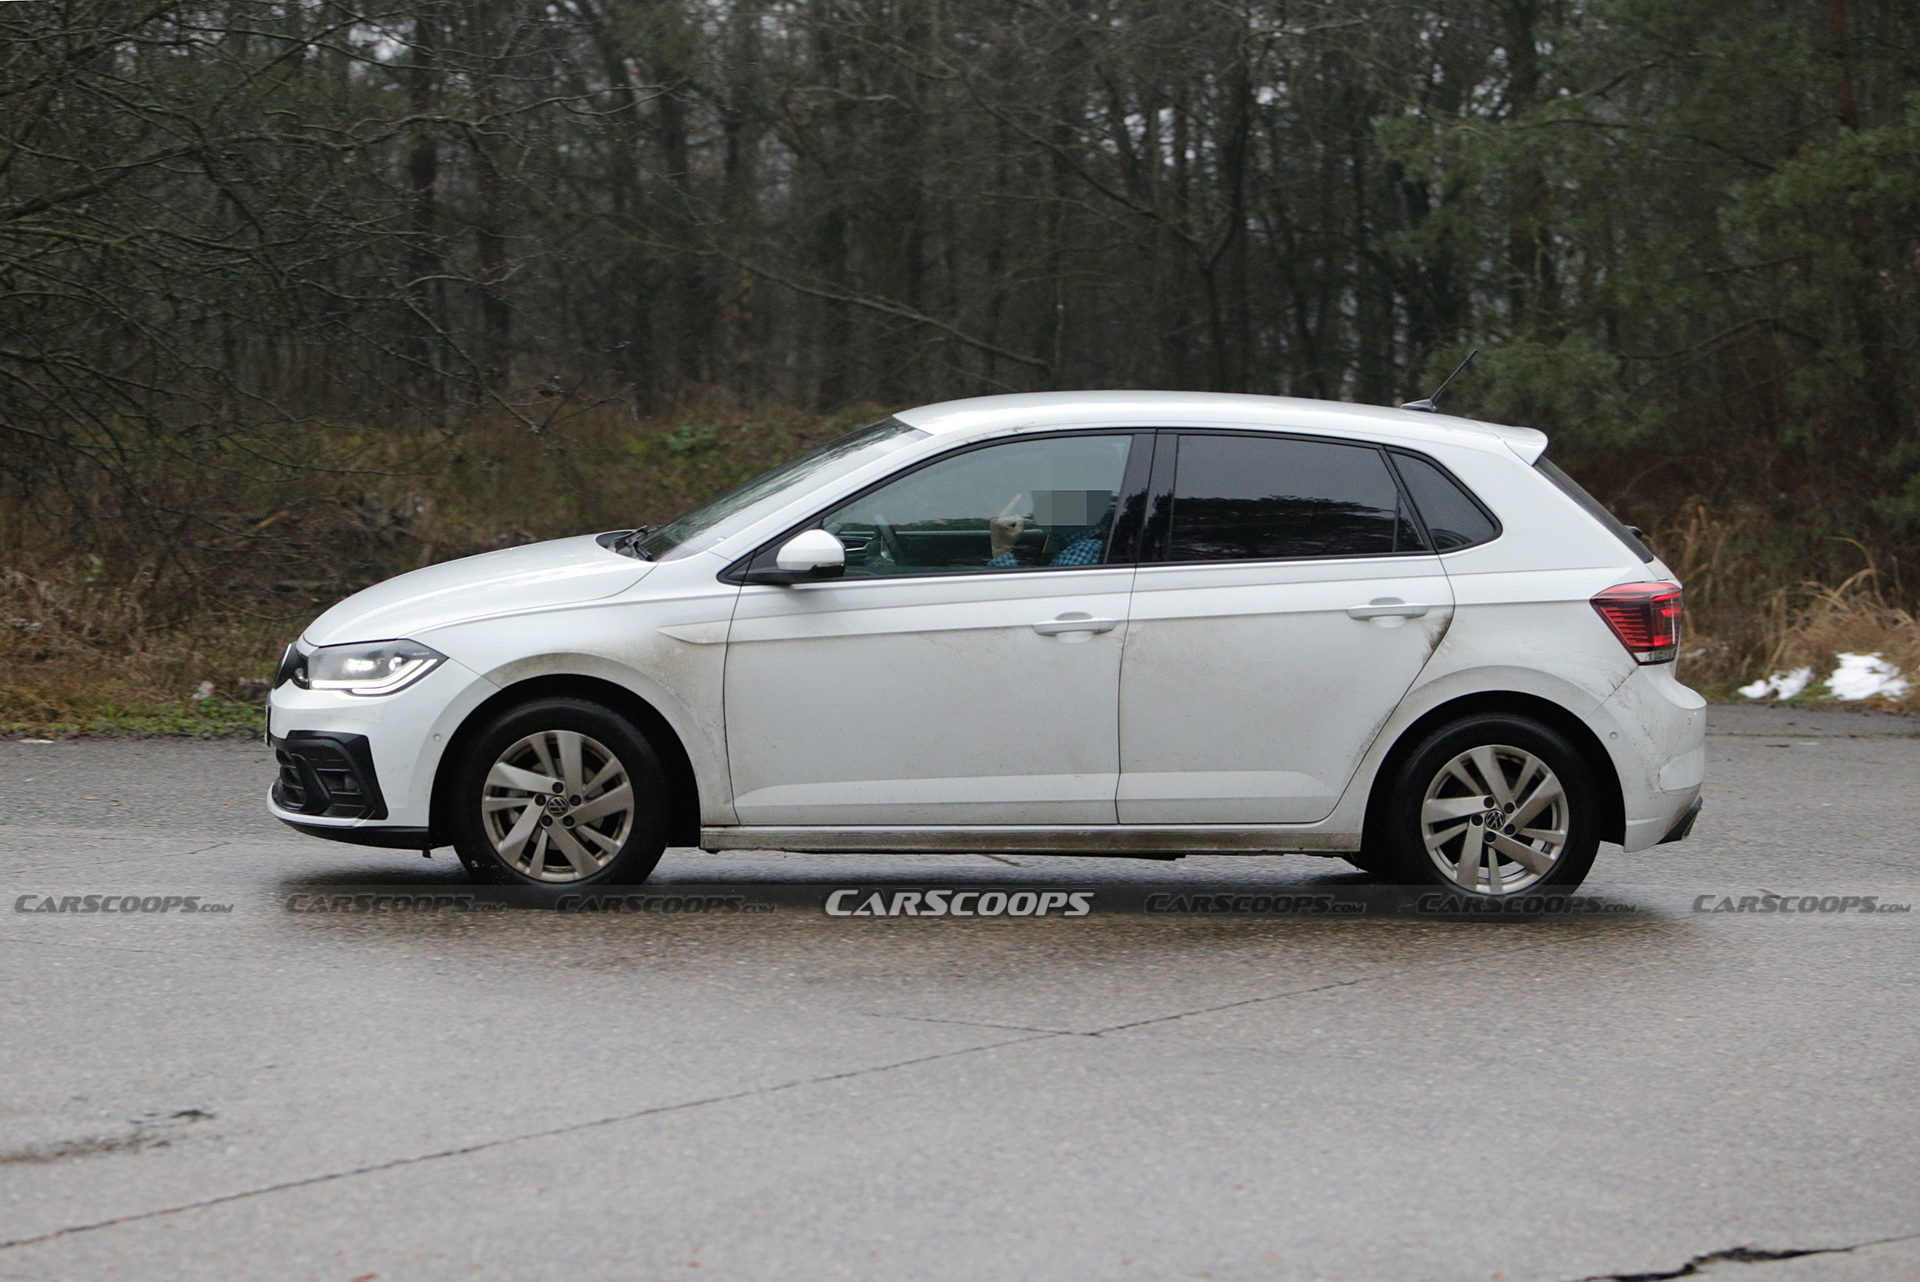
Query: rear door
{"type": "Point", "coordinates": [1287, 601]}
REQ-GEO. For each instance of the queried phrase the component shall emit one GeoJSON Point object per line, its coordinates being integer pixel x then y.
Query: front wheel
{"type": "Point", "coordinates": [557, 794]}
{"type": "Point", "coordinates": [1491, 805]}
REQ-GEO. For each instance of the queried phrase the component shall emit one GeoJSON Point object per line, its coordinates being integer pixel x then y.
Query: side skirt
{"type": "Point", "coordinates": [1116, 840]}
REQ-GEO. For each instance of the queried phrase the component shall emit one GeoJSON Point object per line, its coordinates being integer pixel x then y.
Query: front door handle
{"type": "Point", "coordinates": [1387, 607]}
{"type": "Point", "coordinates": [1075, 621]}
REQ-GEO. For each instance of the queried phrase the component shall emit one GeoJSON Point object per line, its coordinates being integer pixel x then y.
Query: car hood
{"type": "Point", "coordinates": [537, 576]}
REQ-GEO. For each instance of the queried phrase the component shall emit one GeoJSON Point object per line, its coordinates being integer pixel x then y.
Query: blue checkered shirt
{"type": "Point", "coordinates": [1085, 550]}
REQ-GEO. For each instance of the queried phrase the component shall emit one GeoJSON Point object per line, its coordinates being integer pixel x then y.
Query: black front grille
{"type": "Point", "coordinates": [327, 774]}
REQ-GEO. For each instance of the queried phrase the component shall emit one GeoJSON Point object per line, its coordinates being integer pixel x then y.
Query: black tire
{"type": "Point", "coordinates": [1371, 861]}
{"type": "Point", "coordinates": [483, 815]}
{"type": "Point", "coordinates": [1398, 834]}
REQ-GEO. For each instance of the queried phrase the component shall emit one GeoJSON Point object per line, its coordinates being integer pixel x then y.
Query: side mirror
{"type": "Point", "coordinates": [808, 556]}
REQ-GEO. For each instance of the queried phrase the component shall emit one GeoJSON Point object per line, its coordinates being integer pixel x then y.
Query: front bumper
{"type": "Point", "coordinates": [327, 773]}
{"type": "Point", "coordinates": [386, 837]}
{"type": "Point", "coordinates": [362, 769]}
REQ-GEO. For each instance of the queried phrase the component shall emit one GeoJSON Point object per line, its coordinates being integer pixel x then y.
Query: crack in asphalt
{"type": "Point", "coordinates": [980, 1023]}
{"type": "Point", "coordinates": [463, 1150]}
{"type": "Point", "coordinates": [1209, 1010]}
{"type": "Point", "coordinates": [1742, 1255]}
{"type": "Point", "coordinates": [1038, 1034]}
{"type": "Point", "coordinates": [1329, 986]}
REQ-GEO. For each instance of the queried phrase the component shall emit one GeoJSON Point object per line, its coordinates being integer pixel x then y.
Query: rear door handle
{"type": "Point", "coordinates": [1387, 607]}
{"type": "Point", "coordinates": [1075, 621]}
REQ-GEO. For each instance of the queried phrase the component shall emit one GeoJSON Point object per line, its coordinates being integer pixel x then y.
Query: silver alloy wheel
{"type": "Point", "coordinates": [557, 806]}
{"type": "Point", "coordinates": [1494, 819]}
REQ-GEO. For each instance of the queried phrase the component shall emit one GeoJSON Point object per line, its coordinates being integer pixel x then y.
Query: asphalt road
{"type": "Point", "coordinates": [511, 1094]}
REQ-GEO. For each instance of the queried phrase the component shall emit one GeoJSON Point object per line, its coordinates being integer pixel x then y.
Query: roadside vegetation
{"type": "Point", "coordinates": [90, 646]}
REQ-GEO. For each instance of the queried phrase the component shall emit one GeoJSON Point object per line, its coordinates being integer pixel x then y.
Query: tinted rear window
{"type": "Point", "coordinates": [1573, 491]}
{"type": "Point", "coordinates": [1454, 518]}
{"type": "Point", "coordinates": [1248, 498]}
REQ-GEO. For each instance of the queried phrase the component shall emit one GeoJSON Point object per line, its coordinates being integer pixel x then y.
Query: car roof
{"type": "Point", "coordinates": [983, 415]}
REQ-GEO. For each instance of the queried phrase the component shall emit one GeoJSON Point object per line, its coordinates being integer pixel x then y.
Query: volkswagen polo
{"type": "Point", "coordinates": [1120, 623]}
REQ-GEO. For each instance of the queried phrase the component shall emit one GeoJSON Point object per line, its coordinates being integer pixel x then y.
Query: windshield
{"type": "Point", "coordinates": [728, 514]}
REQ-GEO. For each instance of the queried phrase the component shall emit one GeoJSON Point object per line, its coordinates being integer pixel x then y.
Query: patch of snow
{"type": "Point", "coordinates": [1866, 676]}
{"type": "Point", "coordinates": [1781, 685]}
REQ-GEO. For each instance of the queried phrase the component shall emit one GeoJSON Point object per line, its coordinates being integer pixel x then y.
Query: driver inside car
{"type": "Point", "coordinates": [1055, 500]}
{"type": "Point", "coordinates": [1088, 511]}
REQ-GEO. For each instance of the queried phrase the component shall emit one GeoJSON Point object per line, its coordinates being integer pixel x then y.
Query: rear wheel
{"type": "Point", "coordinates": [1491, 805]}
{"type": "Point", "coordinates": [559, 793]}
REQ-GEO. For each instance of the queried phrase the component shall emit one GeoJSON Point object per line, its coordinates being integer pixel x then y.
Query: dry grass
{"type": "Point", "coordinates": [1744, 623]}
{"type": "Point", "coordinates": [112, 615]}
{"type": "Point", "coordinates": [1811, 625]}
{"type": "Point", "coordinates": [110, 619]}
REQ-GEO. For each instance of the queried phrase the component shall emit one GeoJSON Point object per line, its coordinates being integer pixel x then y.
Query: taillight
{"type": "Point", "coordinates": [1646, 618]}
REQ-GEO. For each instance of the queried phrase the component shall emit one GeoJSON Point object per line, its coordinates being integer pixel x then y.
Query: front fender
{"type": "Point", "coordinates": [703, 738]}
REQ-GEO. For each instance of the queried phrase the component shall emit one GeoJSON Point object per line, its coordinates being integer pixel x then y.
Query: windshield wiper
{"type": "Point", "coordinates": [628, 544]}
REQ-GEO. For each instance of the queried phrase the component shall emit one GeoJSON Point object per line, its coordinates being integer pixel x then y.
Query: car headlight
{"type": "Point", "coordinates": [369, 667]}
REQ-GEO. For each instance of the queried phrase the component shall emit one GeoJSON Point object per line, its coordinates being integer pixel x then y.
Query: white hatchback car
{"type": "Point", "coordinates": [1121, 623]}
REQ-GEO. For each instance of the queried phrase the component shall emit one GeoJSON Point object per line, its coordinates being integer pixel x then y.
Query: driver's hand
{"type": "Point", "coordinates": [1003, 532]}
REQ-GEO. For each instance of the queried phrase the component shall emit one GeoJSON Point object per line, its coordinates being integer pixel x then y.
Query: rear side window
{"type": "Point", "coordinates": [1256, 498]}
{"type": "Point", "coordinates": [1572, 489]}
{"type": "Point", "coordinates": [1454, 517]}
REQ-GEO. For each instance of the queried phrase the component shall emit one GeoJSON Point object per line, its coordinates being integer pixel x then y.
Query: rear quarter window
{"type": "Point", "coordinates": [1454, 517]}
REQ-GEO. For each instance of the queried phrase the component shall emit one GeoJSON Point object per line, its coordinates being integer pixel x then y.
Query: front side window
{"type": "Point", "coordinates": [1256, 498]}
{"type": "Point", "coordinates": [1019, 505]}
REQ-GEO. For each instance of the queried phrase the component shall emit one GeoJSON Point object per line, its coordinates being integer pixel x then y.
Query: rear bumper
{"type": "Point", "coordinates": [1655, 729]}
{"type": "Point", "coordinates": [1680, 830]}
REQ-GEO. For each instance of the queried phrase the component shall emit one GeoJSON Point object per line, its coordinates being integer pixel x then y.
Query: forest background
{"type": "Point", "coordinates": [298, 294]}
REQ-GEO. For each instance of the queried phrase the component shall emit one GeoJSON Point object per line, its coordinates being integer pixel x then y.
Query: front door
{"type": "Point", "coordinates": [1289, 604]}
{"type": "Point", "coordinates": [966, 669]}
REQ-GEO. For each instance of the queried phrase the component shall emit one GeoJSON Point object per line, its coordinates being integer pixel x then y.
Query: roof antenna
{"type": "Point", "coordinates": [1432, 404]}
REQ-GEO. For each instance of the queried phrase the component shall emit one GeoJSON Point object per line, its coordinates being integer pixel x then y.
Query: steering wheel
{"type": "Point", "coordinates": [889, 542]}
